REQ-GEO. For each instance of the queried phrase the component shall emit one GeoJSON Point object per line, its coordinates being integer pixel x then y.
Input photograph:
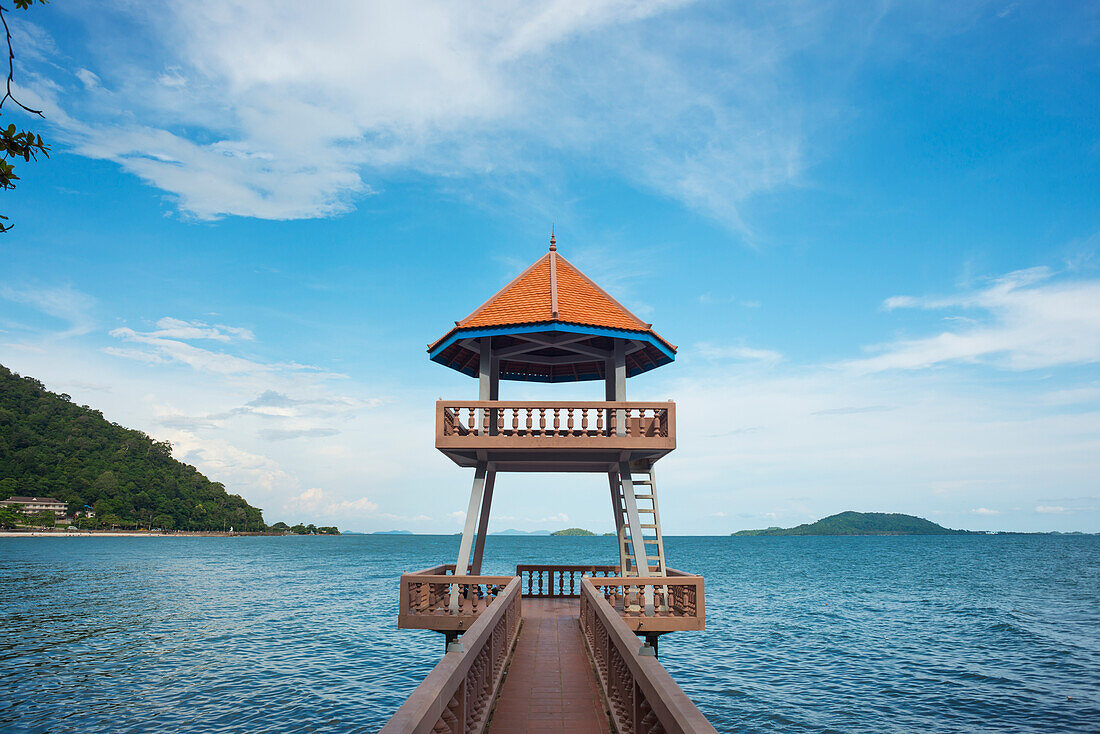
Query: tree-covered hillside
{"type": "Point", "coordinates": [50, 447]}
{"type": "Point", "coordinates": [862, 523]}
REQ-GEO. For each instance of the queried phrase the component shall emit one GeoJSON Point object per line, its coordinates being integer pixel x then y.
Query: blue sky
{"type": "Point", "coordinates": [873, 231]}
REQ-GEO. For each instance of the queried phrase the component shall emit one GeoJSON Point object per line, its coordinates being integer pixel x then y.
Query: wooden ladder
{"type": "Point", "coordinates": [638, 525]}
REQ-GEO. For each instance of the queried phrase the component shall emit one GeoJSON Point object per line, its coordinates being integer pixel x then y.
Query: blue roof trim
{"type": "Point", "coordinates": [551, 326]}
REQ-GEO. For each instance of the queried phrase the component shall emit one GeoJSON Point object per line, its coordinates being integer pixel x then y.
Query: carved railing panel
{"type": "Point", "coordinates": [458, 693]}
{"type": "Point", "coordinates": [500, 423]}
{"type": "Point", "coordinates": [425, 598]}
{"type": "Point", "coordinates": [543, 581]}
{"type": "Point", "coordinates": [642, 696]}
{"type": "Point", "coordinates": [678, 601]}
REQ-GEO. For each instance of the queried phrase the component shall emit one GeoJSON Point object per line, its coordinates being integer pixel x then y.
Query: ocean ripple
{"type": "Point", "coordinates": [896, 634]}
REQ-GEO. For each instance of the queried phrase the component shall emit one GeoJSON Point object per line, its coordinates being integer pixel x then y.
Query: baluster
{"type": "Point", "coordinates": [561, 582]}
{"type": "Point", "coordinates": [599, 422]}
{"type": "Point", "coordinates": [529, 424]}
{"type": "Point", "coordinates": [569, 419]}
{"type": "Point", "coordinates": [584, 420]}
{"type": "Point", "coordinates": [542, 421]}
{"type": "Point", "coordinates": [572, 584]}
{"type": "Point", "coordinates": [557, 420]}
{"type": "Point", "coordinates": [471, 420]}
{"type": "Point", "coordinates": [540, 581]}
{"type": "Point", "coordinates": [515, 420]}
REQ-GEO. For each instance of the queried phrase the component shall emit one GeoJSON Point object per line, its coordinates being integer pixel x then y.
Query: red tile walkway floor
{"type": "Point", "coordinates": [550, 685]}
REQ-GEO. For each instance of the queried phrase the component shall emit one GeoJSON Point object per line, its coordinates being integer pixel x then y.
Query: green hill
{"type": "Point", "coordinates": [862, 523]}
{"type": "Point", "coordinates": [50, 447]}
{"type": "Point", "coordinates": [573, 531]}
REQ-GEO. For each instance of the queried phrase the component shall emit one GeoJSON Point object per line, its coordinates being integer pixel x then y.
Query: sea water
{"type": "Point", "coordinates": [813, 634]}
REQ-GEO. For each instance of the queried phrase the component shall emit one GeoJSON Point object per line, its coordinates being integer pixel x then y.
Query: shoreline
{"type": "Point", "coordinates": [124, 534]}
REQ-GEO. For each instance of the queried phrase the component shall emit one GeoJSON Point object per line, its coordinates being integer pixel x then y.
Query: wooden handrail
{"type": "Point", "coordinates": [641, 693]}
{"type": "Point", "coordinates": [458, 693]}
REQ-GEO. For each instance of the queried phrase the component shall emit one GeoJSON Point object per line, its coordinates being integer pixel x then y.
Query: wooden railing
{"type": "Point", "coordinates": [458, 693]}
{"type": "Point", "coordinates": [497, 423]}
{"type": "Point", "coordinates": [678, 598]}
{"type": "Point", "coordinates": [678, 601]}
{"type": "Point", "coordinates": [541, 581]}
{"type": "Point", "coordinates": [642, 695]}
{"type": "Point", "coordinates": [426, 595]}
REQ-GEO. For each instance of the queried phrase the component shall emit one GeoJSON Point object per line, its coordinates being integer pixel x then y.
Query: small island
{"type": "Point", "coordinates": [861, 523]}
{"type": "Point", "coordinates": [574, 532]}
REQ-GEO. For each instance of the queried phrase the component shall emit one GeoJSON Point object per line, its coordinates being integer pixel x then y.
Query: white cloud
{"type": "Point", "coordinates": [737, 353]}
{"type": "Point", "coordinates": [1051, 509]}
{"type": "Point", "coordinates": [1029, 320]}
{"type": "Point", "coordinates": [168, 344]}
{"type": "Point", "coordinates": [89, 79]}
{"type": "Point", "coordinates": [984, 511]}
{"type": "Point", "coordinates": [936, 443]}
{"type": "Point", "coordinates": [62, 302]}
{"type": "Point", "coordinates": [275, 110]}
{"type": "Point", "coordinates": [169, 327]}
{"type": "Point", "coordinates": [315, 502]}
{"type": "Point", "coordinates": [224, 462]}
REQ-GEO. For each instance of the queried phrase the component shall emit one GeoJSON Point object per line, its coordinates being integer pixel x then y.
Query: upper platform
{"type": "Point", "coordinates": [560, 436]}
{"type": "Point", "coordinates": [552, 324]}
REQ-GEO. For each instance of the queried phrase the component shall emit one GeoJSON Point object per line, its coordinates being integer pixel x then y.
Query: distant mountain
{"type": "Point", "coordinates": [392, 532]}
{"type": "Point", "coordinates": [50, 447]}
{"type": "Point", "coordinates": [862, 523]}
{"type": "Point", "coordinates": [574, 531]}
{"type": "Point", "coordinates": [512, 531]}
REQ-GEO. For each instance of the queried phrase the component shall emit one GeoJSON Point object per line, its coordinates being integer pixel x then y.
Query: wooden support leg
{"type": "Point", "coordinates": [617, 510]}
{"type": "Point", "coordinates": [463, 562]}
{"type": "Point", "coordinates": [637, 540]}
{"type": "Point", "coordinates": [483, 523]}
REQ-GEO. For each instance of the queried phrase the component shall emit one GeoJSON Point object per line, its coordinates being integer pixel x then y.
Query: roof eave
{"type": "Point", "coordinates": [507, 329]}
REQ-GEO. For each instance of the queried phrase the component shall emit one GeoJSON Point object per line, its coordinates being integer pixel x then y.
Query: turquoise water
{"type": "Point", "coordinates": [899, 634]}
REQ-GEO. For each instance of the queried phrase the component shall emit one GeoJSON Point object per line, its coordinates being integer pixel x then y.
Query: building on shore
{"type": "Point", "coordinates": [34, 505]}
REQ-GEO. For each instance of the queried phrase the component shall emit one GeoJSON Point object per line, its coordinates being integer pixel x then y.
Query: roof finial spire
{"type": "Point", "coordinates": [553, 242]}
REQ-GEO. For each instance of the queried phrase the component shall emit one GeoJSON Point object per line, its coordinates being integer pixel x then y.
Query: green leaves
{"type": "Point", "coordinates": [15, 143]}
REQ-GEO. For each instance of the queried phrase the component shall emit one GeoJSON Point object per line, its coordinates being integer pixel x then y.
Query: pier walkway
{"type": "Point", "coordinates": [552, 649]}
{"type": "Point", "coordinates": [550, 686]}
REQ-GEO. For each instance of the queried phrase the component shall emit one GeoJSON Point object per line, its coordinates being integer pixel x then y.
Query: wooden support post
{"type": "Point", "coordinates": [494, 391]}
{"type": "Point", "coordinates": [483, 523]}
{"type": "Point", "coordinates": [463, 561]}
{"type": "Point", "coordinates": [609, 390]}
{"type": "Point", "coordinates": [484, 371]}
{"type": "Point", "coordinates": [620, 386]}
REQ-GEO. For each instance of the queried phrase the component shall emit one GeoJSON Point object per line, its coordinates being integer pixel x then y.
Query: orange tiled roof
{"type": "Point", "coordinates": [530, 299]}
